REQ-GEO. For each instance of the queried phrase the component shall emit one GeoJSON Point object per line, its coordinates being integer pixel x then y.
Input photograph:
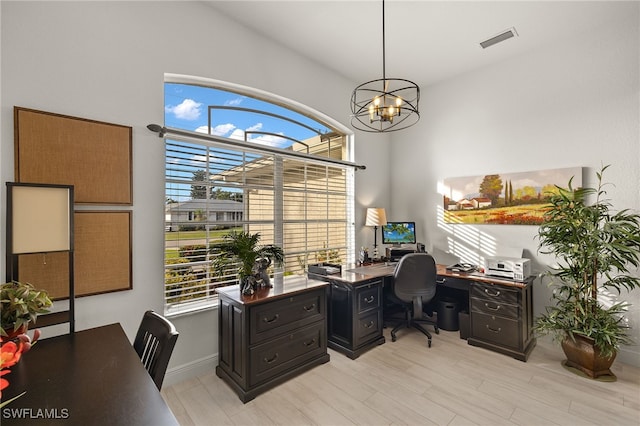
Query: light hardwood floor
{"type": "Point", "coordinates": [406, 383]}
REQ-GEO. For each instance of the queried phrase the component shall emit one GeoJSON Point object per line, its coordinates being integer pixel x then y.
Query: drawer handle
{"type": "Point", "coordinates": [493, 329]}
{"type": "Point", "coordinates": [272, 320]}
{"type": "Point", "coordinates": [309, 308]}
{"type": "Point", "coordinates": [270, 361]}
{"type": "Point", "coordinates": [497, 308]}
{"type": "Point", "coordinates": [369, 299]}
{"type": "Point", "coordinates": [368, 325]}
{"type": "Point", "coordinates": [312, 342]}
{"type": "Point", "coordinates": [442, 281]}
{"type": "Point", "coordinates": [496, 294]}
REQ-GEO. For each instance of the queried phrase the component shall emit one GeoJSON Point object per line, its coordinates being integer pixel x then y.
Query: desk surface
{"type": "Point", "coordinates": [282, 287]}
{"type": "Point", "coordinates": [92, 377]}
{"type": "Point", "coordinates": [381, 270]}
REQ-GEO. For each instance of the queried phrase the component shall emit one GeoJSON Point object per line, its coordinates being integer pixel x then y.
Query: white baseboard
{"type": "Point", "coordinates": [192, 369]}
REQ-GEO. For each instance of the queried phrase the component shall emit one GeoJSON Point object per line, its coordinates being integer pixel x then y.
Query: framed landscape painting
{"type": "Point", "coordinates": [505, 198]}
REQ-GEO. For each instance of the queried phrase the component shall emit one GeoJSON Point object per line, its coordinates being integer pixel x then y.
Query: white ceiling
{"type": "Point", "coordinates": [426, 41]}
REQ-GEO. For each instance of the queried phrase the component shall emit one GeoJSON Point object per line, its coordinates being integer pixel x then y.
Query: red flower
{"type": "Point", "coordinates": [10, 354]}
{"type": "Point", "coordinates": [3, 382]}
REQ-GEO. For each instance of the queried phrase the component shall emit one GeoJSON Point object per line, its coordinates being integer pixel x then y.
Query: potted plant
{"type": "Point", "coordinates": [243, 248]}
{"type": "Point", "coordinates": [595, 249]}
{"type": "Point", "coordinates": [21, 304]}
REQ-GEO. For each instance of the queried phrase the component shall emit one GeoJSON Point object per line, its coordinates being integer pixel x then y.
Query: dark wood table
{"type": "Point", "coordinates": [92, 377]}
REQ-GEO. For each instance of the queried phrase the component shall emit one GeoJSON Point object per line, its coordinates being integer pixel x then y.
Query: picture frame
{"type": "Point", "coordinates": [518, 198]}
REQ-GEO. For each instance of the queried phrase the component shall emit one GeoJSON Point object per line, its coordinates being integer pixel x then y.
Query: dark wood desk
{"type": "Point", "coordinates": [500, 310]}
{"type": "Point", "coordinates": [92, 377]}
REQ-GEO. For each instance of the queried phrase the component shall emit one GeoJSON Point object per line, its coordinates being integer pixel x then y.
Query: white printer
{"type": "Point", "coordinates": [517, 269]}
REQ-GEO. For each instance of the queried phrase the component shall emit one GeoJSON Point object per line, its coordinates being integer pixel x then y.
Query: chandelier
{"type": "Point", "coordinates": [386, 104]}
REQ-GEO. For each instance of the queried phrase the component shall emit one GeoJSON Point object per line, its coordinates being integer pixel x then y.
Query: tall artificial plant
{"type": "Point", "coordinates": [596, 249]}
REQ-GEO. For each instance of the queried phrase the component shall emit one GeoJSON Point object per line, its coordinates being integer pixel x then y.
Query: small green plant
{"type": "Point", "coordinates": [21, 304]}
{"type": "Point", "coordinates": [595, 249]}
{"type": "Point", "coordinates": [243, 248]}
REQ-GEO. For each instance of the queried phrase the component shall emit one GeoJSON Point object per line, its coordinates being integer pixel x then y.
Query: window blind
{"type": "Point", "coordinates": [304, 206]}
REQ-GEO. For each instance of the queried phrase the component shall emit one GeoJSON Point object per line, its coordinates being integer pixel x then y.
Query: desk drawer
{"type": "Point", "coordinates": [368, 297]}
{"type": "Point", "coordinates": [499, 293]}
{"type": "Point", "coordinates": [272, 319]}
{"type": "Point", "coordinates": [495, 307]}
{"type": "Point", "coordinates": [284, 353]}
{"type": "Point", "coordinates": [368, 326]}
{"type": "Point", "coordinates": [490, 328]}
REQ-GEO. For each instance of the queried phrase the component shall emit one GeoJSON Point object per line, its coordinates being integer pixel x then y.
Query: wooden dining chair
{"type": "Point", "coordinates": [154, 344]}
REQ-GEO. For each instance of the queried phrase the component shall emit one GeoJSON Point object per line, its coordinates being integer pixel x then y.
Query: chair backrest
{"type": "Point", "coordinates": [415, 278]}
{"type": "Point", "coordinates": [154, 344]}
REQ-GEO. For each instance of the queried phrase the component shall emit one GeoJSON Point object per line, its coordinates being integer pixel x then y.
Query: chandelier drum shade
{"type": "Point", "coordinates": [385, 104]}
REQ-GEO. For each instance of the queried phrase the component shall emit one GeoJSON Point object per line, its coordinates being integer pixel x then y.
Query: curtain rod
{"type": "Point", "coordinates": [163, 131]}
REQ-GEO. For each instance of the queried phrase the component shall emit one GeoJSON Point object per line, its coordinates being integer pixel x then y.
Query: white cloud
{"type": "Point", "coordinates": [219, 130]}
{"type": "Point", "coordinates": [270, 140]}
{"type": "Point", "coordinates": [223, 129]}
{"type": "Point", "coordinates": [233, 102]}
{"type": "Point", "coordinates": [255, 127]}
{"type": "Point", "coordinates": [238, 134]}
{"type": "Point", "coordinates": [187, 110]}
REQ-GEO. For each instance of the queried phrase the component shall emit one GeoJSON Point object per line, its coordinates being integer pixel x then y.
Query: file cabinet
{"type": "Point", "coordinates": [355, 316]}
{"type": "Point", "coordinates": [269, 337]}
{"type": "Point", "coordinates": [501, 317]}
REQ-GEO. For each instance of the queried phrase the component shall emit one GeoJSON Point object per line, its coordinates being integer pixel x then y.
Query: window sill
{"type": "Point", "coordinates": [191, 308]}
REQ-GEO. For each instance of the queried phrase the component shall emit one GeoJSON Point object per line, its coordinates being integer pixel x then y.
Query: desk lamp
{"type": "Point", "coordinates": [375, 217]}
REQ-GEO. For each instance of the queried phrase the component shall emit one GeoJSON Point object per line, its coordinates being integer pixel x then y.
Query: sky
{"type": "Point", "coordinates": [187, 108]}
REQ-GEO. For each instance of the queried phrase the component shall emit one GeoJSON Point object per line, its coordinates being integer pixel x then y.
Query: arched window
{"type": "Point", "coordinates": [242, 159]}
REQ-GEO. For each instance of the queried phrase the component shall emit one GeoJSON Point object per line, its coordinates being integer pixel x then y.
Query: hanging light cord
{"type": "Point", "coordinates": [369, 107]}
{"type": "Point", "coordinates": [384, 59]}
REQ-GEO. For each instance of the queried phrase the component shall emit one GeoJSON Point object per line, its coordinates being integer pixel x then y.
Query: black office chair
{"type": "Point", "coordinates": [414, 286]}
{"type": "Point", "coordinates": [154, 344]}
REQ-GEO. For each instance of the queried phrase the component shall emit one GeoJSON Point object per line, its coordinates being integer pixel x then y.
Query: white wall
{"type": "Point", "coordinates": [573, 103]}
{"type": "Point", "coordinates": [106, 61]}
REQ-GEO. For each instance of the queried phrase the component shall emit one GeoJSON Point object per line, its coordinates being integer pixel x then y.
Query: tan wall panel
{"type": "Point", "coordinates": [95, 157]}
{"type": "Point", "coordinates": [102, 261]}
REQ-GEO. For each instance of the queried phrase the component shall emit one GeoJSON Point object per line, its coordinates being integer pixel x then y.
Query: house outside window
{"type": "Point", "coordinates": [215, 186]}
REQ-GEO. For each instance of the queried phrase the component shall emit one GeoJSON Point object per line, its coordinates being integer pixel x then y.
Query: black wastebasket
{"type": "Point", "coordinates": [448, 314]}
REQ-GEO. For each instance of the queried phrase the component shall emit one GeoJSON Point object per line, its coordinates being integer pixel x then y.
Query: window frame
{"type": "Point", "coordinates": [210, 302]}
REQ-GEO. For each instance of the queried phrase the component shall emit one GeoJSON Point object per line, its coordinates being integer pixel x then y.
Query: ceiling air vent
{"type": "Point", "coordinates": [505, 35]}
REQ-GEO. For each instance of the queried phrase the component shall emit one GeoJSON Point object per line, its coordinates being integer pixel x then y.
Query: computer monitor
{"type": "Point", "coordinates": [398, 233]}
